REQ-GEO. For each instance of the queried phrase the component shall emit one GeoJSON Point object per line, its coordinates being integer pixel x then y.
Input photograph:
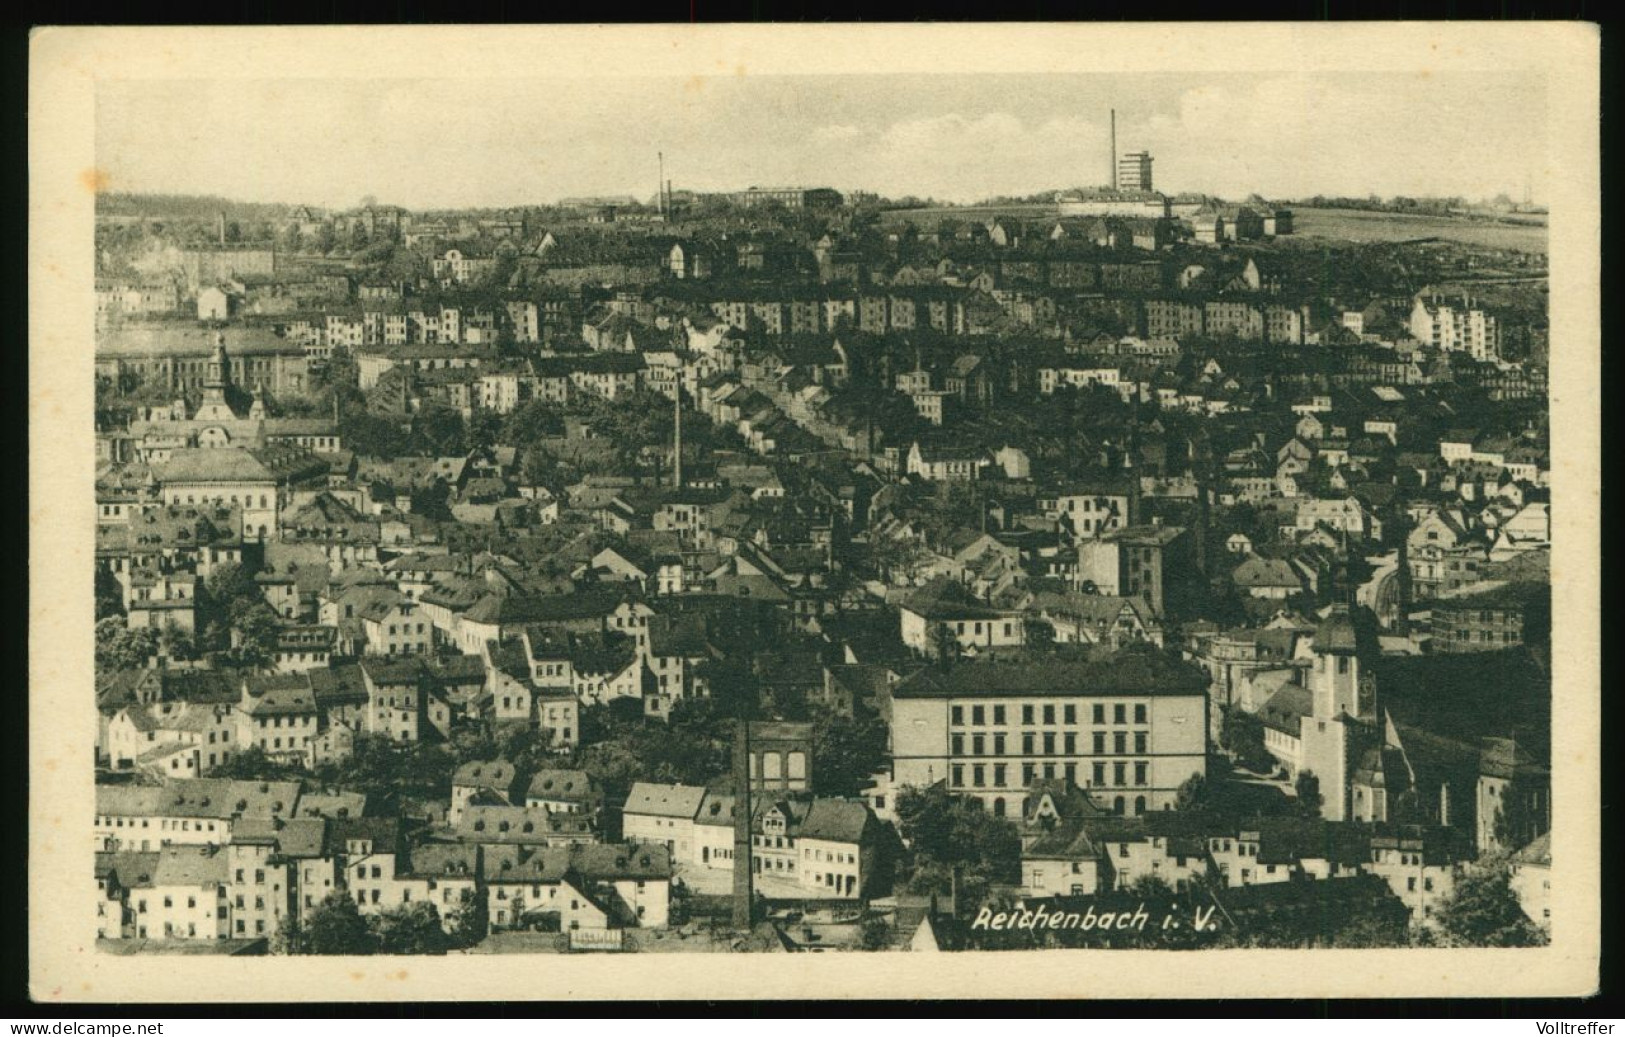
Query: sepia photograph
{"type": "Point", "coordinates": [926, 507]}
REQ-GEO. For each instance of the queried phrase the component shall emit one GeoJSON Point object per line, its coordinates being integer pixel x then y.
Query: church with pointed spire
{"type": "Point", "coordinates": [228, 415]}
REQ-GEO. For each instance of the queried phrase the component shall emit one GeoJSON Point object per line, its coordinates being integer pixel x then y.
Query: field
{"type": "Point", "coordinates": [1357, 225]}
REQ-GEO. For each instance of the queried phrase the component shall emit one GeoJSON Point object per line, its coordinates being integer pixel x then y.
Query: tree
{"type": "Point", "coordinates": [120, 648]}
{"type": "Point", "coordinates": [335, 926]}
{"type": "Point", "coordinates": [290, 937]}
{"type": "Point", "coordinates": [484, 431]}
{"type": "Point", "coordinates": [1242, 735]}
{"type": "Point", "coordinates": [846, 750]}
{"type": "Point", "coordinates": [179, 643]}
{"type": "Point", "coordinates": [253, 764]}
{"type": "Point", "coordinates": [1483, 910]}
{"type": "Point", "coordinates": [875, 934]}
{"type": "Point", "coordinates": [386, 769]}
{"type": "Point", "coordinates": [471, 921]}
{"type": "Point", "coordinates": [256, 631]}
{"type": "Point", "coordinates": [109, 594]}
{"type": "Point", "coordinates": [371, 435]}
{"type": "Point", "coordinates": [1309, 797]}
{"type": "Point", "coordinates": [945, 833]}
{"type": "Point", "coordinates": [439, 432]}
{"type": "Point", "coordinates": [1192, 794]}
{"type": "Point", "coordinates": [231, 588]}
{"type": "Point", "coordinates": [411, 929]}
{"type": "Point", "coordinates": [1370, 930]}
{"type": "Point", "coordinates": [1038, 634]}
{"type": "Point", "coordinates": [536, 420]}
{"type": "Point", "coordinates": [1151, 887]}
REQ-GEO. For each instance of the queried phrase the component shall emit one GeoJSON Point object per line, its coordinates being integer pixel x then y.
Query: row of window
{"type": "Point", "coordinates": [1048, 714]}
{"type": "Point", "coordinates": [979, 774]}
{"type": "Point", "coordinates": [164, 824]}
{"type": "Point", "coordinates": [276, 721]}
{"type": "Point", "coordinates": [1046, 744]}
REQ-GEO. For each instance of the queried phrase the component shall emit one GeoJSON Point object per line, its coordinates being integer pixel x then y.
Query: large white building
{"type": "Point", "coordinates": [1130, 728]}
{"type": "Point", "coordinates": [1134, 171]}
{"type": "Point", "coordinates": [1107, 202]}
{"type": "Point", "coordinates": [1456, 327]}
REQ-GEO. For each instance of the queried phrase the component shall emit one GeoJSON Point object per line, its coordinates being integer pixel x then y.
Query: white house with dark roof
{"type": "Point", "coordinates": [663, 815]}
{"type": "Point", "coordinates": [564, 792]}
{"type": "Point", "coordinates": [482, 782]}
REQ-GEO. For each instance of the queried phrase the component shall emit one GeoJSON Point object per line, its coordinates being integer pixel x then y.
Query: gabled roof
{"type": "Point", "coordinates": [1132, 671]}
{"type": "Point", "coordinates": [227, 464]}
{"type": "Point", "coordinates": [664, 800]}
{"type": "Point", "coordinates": [835, 820]}
{"type": "Point", "coordinates": [488, 774]}
{"type": "Point", "coordinates": [562, 785]}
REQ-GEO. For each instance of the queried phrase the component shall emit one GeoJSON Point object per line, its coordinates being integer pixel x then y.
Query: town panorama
{"type": "Point", "coordinates": [787, 569]}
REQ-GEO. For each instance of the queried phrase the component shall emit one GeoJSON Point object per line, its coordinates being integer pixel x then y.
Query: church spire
{"type": "Point", "coordinates": [219, 373]}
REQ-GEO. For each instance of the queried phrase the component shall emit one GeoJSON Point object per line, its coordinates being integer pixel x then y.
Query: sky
{"type": "Point", "coordinates": [427, 143]}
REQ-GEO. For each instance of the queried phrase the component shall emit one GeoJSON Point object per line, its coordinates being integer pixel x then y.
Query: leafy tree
{"type": "Point", "coordinates": [945, 833]}
{"type": "Point", "coordinates": [846, 751]}
{"type": "Point", "coordinates": [290, 937]}
{"type": "Point", "coordinates": [231, 589]}
{"type": "Point", "coordinates": [325, 239]}
{"type": "Point", "coordinates": [536, 420]}
{"type": "Point", "coordinates": [335, 926]}
{"type": "Point", "coordinates": [256, 631]}
{"type": "Point", "coordinates": [411, 929]}
{"type": "Point", "coordinates": [371, 435]}
{"type": "Point", "coordinates": [875, 934]}
{"type": "Point", "coordinates": [1242, 735]}
{"type": "Point", "coordinates": [484, 431]}
{"type": "Point", "coordinates": [438, 432]}
{"type": "Point", "coordinates": [253, 764]}
{"type": "Point", "coordinates": [735, 689]}
{"type": "Point", "coordinates": [386, 770]}
{"type": "Point", "coordinates": [1151, 887]}
{"type": "Point", "coordinates": [1483, 911]}
{"type": "Point", "coordinates": [120, 648]}
{"type": "Point", "coordinates": [471, 921]}
{"type": "Point", "coordinates": [109, 595]}
{"type": "Point", "coordinates": [1039, 635]}
{"type": "Point", "coordinates": [1309, 797]}
{"type": "Point", "coordinates": [1192, 793]}
{"type": "Point", "coordinates": [1370, 930]}
{"type": "Point", "coordinates": [179, 643]}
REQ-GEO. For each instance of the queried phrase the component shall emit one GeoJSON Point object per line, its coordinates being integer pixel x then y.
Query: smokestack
{"type": "Point", "coordinates": [743, 880]}
{"type": "Point", "coordinates": [1112, 160]}
{"type": "Point", "coordinates": [660, 185]}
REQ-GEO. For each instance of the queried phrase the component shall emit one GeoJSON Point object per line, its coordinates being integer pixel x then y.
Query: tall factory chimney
{"type": "Point", "coordinates": [1111, 160]}
{"type": "Point", "coordinates": [744, 890]}
{"type": "Point", "coordinates": [677, 435]}
{"type": "Point", "coordinates": [660, 185]}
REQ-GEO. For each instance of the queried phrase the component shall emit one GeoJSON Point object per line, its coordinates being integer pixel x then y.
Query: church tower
{"type": "Point", "coordinates": [216, 385]}
{"type": "Point", "coordinates": [1330, 734]}
{"type": "Point", "coordinates": [1334, 682]}
{"type": "Point", "coordinates": [217, 376]}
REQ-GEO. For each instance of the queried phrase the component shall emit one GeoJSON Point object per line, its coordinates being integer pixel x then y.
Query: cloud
{"type": "Point", "coordinates": [443, 143]}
